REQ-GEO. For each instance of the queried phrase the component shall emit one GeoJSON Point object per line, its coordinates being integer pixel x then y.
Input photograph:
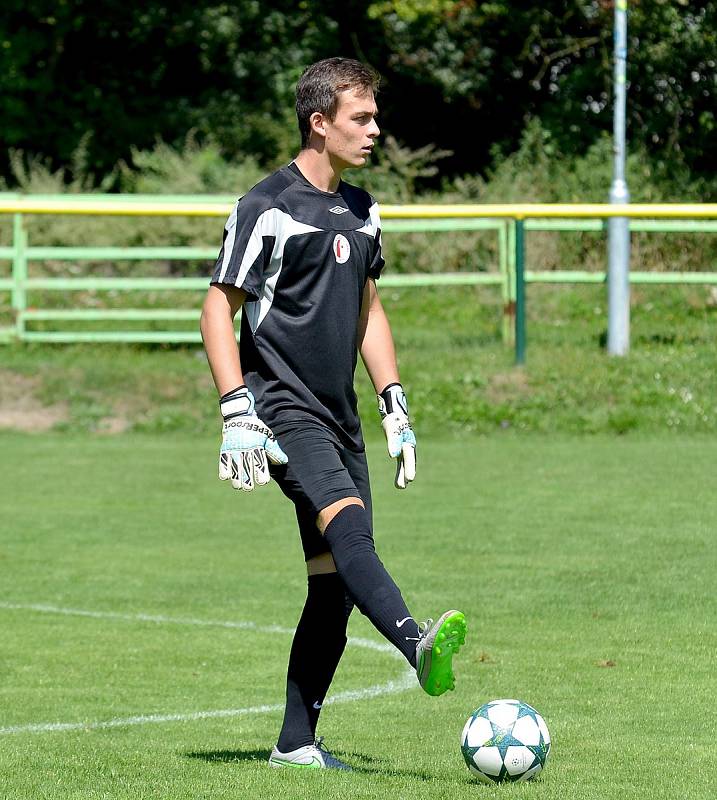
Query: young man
{"type": "Point", "coordinates": [301, 254]}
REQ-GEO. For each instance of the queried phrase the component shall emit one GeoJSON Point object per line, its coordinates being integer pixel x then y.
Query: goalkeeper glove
{"type": "Point", "coordinates": [246, 442]}
{"type": "Point", "coordinates": [401, 441]}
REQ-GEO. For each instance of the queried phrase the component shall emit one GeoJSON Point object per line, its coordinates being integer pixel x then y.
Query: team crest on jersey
{"type": "Point", "coordinates": [338, 210]}
{"type": "Point", "coordinates": [342, 248]}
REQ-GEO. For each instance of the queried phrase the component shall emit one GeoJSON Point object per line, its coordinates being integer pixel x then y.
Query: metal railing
{"type": "Point", "coordinates": [510, 223]}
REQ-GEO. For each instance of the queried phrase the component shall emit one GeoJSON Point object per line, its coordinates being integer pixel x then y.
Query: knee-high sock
{"type": "Point", "coordinates": [367, 581]}
{"type": "Point", "coordinates": [318, 644]}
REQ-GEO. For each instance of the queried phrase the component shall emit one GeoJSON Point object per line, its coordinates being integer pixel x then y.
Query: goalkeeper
{"type": "Point", "coordinates": [300, 256]}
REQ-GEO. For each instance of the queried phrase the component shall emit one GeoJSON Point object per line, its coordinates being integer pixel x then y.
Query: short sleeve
{"type": "Point", "coordinates": [246, 246]}
{"type": "Point", "coordinates": [377, 262]}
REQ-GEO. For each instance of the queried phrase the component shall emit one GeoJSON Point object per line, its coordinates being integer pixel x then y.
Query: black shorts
{"type": "Point", "coordinates": [321, 470]}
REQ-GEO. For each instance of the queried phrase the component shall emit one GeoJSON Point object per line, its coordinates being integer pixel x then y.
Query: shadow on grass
{"type": "Point", "coordinates": [359, 762]}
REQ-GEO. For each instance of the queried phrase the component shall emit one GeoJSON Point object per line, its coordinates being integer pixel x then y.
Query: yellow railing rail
{"type": "Point", "coordinates": [28, 205]}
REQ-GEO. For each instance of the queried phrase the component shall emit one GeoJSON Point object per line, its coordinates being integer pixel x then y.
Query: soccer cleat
{"type": "Point", "coordinates": [311, 756]}
{"type": "Point", "coordinates": [438, 644]}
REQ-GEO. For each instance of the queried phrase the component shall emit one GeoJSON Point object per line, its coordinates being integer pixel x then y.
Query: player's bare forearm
{"type": "Point", "coordinates": [376, 341]}
{"type": "Point", "coordinates": [247, 443]}
{"type": "Point", "coordinates": [217, 326]}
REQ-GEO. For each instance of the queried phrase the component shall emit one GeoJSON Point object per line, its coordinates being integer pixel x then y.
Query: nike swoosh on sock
{"type": "Point", "coordinates": [402, 622]}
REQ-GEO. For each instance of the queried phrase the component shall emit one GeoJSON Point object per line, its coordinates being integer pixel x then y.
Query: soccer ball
{"type": "Point", "coordinates": [505, 740]}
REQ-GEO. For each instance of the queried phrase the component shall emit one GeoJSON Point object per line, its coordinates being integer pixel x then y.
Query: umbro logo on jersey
{"type": "Point", "coordinates": [338, 210]}
{"type": "Point", "coordinates": [342, 248]}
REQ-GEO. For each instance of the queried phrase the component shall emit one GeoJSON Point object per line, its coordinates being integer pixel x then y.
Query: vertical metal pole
{"type": "Point", "coordinates": [519, 291]}
{"type": "Point", "coordinates": [19, 274]}
{"type": "Point", "coordinates": [508, 325]}
{"type": "Point", "coordinates": [618, 277]}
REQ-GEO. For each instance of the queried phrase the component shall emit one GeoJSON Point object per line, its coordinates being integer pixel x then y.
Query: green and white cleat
{"type": "Point", "coordinates": [311, 756]}
{"type": "Point", "coordinates": [439, 642]}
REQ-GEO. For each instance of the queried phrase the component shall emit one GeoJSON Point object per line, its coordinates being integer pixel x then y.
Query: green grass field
{"type": "Point", "coordinates": [146, 609]}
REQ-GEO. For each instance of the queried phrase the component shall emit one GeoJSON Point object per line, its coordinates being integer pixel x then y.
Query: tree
{"type": "Point", "coordinates": [485, 69]}
{"type": "Point", "coordinates": [464, 75]}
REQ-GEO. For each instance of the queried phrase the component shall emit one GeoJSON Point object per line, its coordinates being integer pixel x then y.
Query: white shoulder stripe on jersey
{"type": "Point", "coordinates": [267, 224]}
{"type": "Point", "coordinates": [231, 229]}
{"type": "Point", "coordinates": [282, 226]}
{"type": "Point", "coordinates": [251, 252]}
{"type": "Point", "coordinates": [373, 223]}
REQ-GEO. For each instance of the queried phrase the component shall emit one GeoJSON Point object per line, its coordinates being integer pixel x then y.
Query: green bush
{"type": "Point", "coordinates": [195, 169]}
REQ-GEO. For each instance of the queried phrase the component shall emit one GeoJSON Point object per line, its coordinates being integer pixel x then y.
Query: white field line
{"type": "Point", "coordinates": [357, 641]}
{"type": "Point", "coordinates": [402, 684]}
{"type": "Point", "coordinates": [406, 681]}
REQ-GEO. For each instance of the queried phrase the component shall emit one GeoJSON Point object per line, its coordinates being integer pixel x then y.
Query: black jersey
{"type": "Point", "coordinates": [303, 257]}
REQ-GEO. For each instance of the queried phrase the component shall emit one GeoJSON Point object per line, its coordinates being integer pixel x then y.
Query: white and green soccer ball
{"type": "Point", "coordinates": [505, 740]}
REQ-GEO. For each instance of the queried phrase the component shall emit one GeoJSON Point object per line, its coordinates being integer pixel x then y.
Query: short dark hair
{"type": "Point", "coordinates": [321, 83]}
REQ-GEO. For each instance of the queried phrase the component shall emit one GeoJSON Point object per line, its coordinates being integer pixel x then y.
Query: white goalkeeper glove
{"type": "Point", "coordinates": [401, 441]}
{"type": "Point", "coordinates": [246, 442]}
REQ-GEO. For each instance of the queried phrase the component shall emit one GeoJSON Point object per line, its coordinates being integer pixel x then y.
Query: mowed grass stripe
{"type": "Point", "coordinates": [585, 567]}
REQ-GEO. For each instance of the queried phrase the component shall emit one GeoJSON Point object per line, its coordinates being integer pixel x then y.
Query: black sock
{"type": "Point", "coordinates": [318, 644]}
{"type": "Point", "coordinates": [367, 581]}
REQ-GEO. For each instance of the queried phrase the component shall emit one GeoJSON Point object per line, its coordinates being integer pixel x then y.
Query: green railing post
{"type": "Point", "coordinates": [510, 232]}
{"type": "Point", "coordinates": [519, 291]}
{"type": "Point", "coordinates": [506, 284]}
{"type": "Point", "coordinates": [19, 274]}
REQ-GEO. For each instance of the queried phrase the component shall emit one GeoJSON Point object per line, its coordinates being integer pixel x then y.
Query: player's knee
{"type": "Point", "coordinates": [322, 564]}
{"type": "Point", "coordinates": [326, 515]}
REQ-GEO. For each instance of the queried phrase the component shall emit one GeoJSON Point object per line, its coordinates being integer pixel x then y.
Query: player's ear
{"type": "Point", "coordinates": [317, 121]}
